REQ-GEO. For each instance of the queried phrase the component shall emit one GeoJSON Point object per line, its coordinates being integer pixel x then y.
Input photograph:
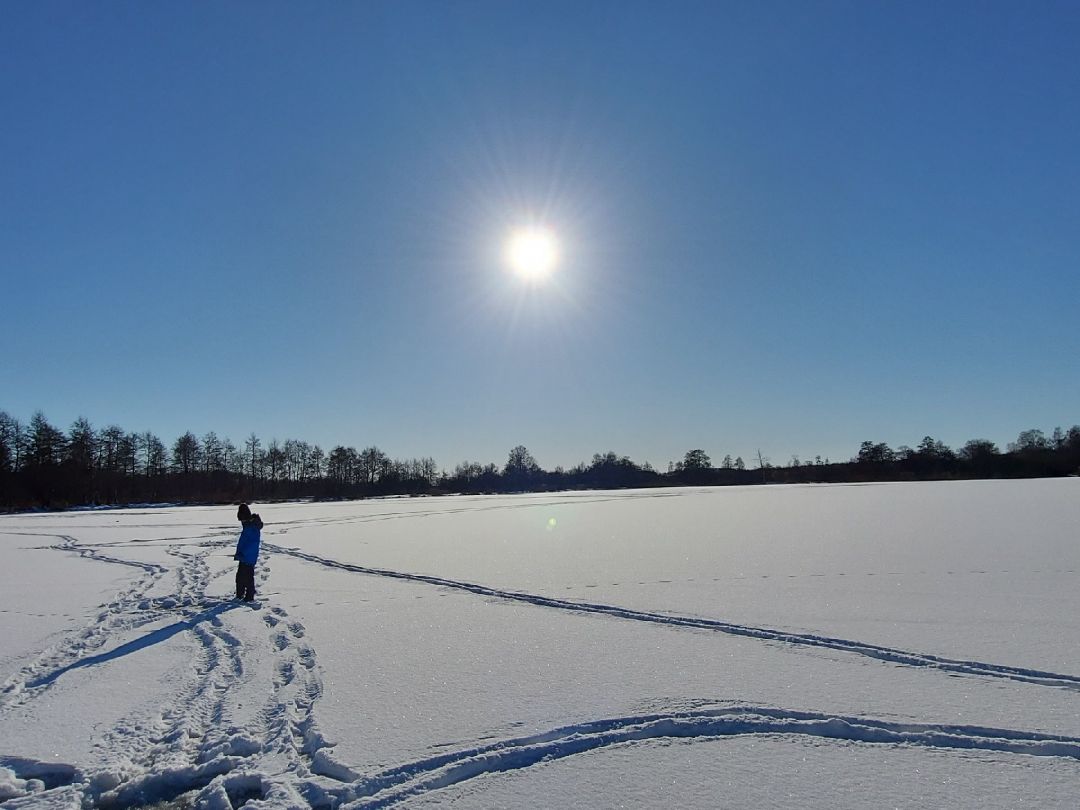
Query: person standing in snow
{"type": "Point", "coordinates": [247, 552]}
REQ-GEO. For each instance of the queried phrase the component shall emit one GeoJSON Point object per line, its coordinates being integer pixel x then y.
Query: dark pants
{"type": "Point", "coordinates": [245, 582]}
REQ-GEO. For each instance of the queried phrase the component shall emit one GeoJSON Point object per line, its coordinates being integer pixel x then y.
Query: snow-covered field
{"type": "Point", "coordinates": [894, 645]}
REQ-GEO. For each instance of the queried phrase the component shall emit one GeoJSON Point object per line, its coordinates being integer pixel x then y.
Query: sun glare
{"type": "Point", "coordinates": [532, 253]}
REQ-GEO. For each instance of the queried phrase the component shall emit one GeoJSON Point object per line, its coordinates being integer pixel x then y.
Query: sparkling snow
{"type": "Point", "coordinates": [898, 645]}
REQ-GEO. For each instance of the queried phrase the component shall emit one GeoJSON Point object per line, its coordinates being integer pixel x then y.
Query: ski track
{"type": "Point", "coordinates": [888, 654]}
{"type": "Point", "coordinates": [193, 748]}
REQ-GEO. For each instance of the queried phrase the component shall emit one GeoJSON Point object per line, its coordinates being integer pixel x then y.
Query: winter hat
{"type": "Point", "coordinates": [243, 513]}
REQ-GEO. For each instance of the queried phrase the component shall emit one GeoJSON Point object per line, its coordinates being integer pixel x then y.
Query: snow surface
{"type": "Point", "coordinates": [902, 645]}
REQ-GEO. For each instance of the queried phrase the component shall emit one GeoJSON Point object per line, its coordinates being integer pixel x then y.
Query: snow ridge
{"type": "Point", "coordinates": [402, 782]}
{"type": "Point", "coordinates": [889, 654]}
{"type": "Point", "coordinates": [229, 772]}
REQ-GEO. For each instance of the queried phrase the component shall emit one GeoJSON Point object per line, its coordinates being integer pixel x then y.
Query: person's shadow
{"type": "Point", "coordinates": [141, 643]}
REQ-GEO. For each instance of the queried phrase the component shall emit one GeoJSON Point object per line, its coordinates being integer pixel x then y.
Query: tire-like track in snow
{"type": "Point", "coordinates": [445, 770]}
{"type": "Point", "coordinates": [889, 654]}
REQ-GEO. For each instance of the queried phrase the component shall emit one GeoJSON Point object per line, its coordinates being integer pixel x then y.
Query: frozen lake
{"type": "Point", "coordinates": [852, 645]}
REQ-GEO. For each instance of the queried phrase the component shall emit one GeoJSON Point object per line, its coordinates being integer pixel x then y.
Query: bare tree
{"type": "Point", "coordinates": [234, 458]}
{"type": "Point", "coordinates": [7, 443]}
{"type": "Point", "coordinates": [343, 466]}
{"type": "Point", "coordinates": [153, 453]}
{"type": "Point", "coordinates": [373, 464]}
{"type": "Point", "coordinates": [82, 446]}
{"type": "Point", "coordinates": [521, 469]}
{"type": "Point", "coordinates": [185, 453]}
{"type": "Point", "coordinates": [520, 461]}
{"type": "Point", "coordinates": [316, 463]}
{"type": "Point", "coordinates": [295, 457]}
{"type": "Point", "coordinates": [13, 437]}
{"type": "Point", "coordinates": [46, 442]}
{"type": "Point", "coordinates": [275, 460]}
{"type": "Point", "coordinates": [429, 471]}
{"type": "Point", "coordinates": [977, 449]}
{"type": "Point", "coordinates": [212, 454]}
{"type": "Point", "coordinates": [1057, 438]}
{"type": "Point", "coordinates": [129, 454]}
{"type": "Point", "coordinates": [696, 460]}
{"type": "Point", "coordinates": [253, 446]}
{"type": "Point", "coordinates": [1029, 441]}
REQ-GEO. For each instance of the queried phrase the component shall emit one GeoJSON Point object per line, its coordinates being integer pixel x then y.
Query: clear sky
{"type": "Point", "coordinates": [790, 226]}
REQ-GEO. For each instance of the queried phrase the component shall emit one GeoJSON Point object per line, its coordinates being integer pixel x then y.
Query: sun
{"type": "Point", "coordinates": [532, 253]}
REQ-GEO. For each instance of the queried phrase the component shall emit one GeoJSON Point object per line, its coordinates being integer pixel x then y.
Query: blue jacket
{"type": "Point", "coordinates": [247, 547]}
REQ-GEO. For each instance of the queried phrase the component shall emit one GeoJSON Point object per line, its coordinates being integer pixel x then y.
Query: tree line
{"type": "Point", "coordinates": [42, 466]}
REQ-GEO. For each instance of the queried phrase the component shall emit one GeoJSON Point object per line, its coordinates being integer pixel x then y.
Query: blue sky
{"type": "Point", "coordinates": [786, 226]}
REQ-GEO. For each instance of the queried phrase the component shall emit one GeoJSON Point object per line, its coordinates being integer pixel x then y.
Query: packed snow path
{"type": "Point", "coordinates": [192, 743]}
{"type": "Point", "coordinates": [209, 747]}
